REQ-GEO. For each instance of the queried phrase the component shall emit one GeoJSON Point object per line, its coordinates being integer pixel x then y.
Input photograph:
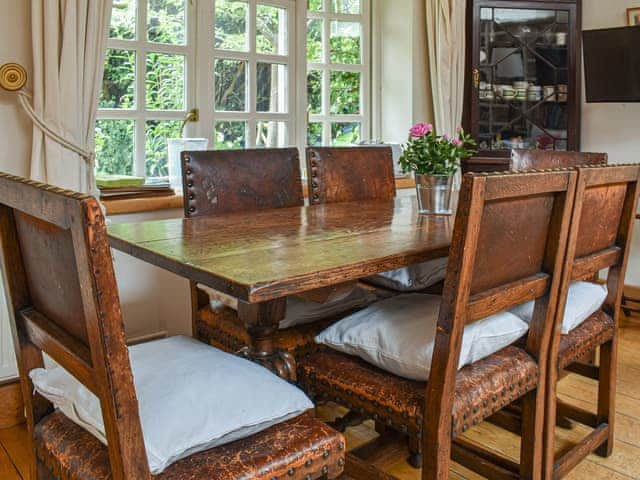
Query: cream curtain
{"type": "Point", "coordinates": [446, 47]}
{"type": "Point", "coordinates": [69, 42]}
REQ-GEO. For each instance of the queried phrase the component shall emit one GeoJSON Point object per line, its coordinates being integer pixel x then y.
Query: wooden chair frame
{"type": "Point", "coordinates": [100, 361]}
{"type": "Point", "coordinates": [460, 307]}
{"type": "Point", "coordinates": [585, 261]}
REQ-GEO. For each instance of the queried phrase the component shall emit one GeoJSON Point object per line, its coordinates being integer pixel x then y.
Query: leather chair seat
{"type": "Point", "coordinates": [596, 330]}
{"type": "Point", "coordinates": [293, 450]}
{"type": "Point", "coordinates": [482, 388]}
{"type": "Point", "coordinates": [223, 329]}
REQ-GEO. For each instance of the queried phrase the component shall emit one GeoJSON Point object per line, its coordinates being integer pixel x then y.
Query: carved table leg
{"type": "Point", "coordinates": [261, 320]}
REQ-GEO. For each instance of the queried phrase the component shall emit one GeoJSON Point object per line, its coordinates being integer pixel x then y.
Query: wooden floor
{"type": "Point", "coordinates": [623, 464]}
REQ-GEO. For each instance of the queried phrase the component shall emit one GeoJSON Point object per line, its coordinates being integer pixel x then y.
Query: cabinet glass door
{"type": "Point", "coordinates": [522, 78]}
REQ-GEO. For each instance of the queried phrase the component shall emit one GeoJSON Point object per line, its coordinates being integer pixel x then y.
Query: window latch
{"type": "Point", "coordinates": [192, 116]}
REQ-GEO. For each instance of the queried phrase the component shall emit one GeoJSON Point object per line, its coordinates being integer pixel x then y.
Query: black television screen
{"type": "Point", "coordinates": [612, 64]}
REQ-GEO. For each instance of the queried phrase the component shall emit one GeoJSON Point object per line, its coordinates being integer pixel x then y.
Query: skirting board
{"type": "Point", "coordinates": [11, 404]}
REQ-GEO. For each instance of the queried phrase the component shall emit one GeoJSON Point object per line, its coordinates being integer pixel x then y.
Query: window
{"type": "Point", "coordinates": [252, 75]}
{"type": "Point", "coordinates": [338, 71]}
{"type": "Point", "coordinates": [235, 60]}
{"type": "Point", "coordinates": [146, 86]}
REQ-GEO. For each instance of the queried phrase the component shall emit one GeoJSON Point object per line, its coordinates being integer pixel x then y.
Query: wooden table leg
{"type": "Point", "coordinates": [261, 321]}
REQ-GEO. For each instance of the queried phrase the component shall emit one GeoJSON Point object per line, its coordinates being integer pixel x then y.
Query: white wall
{"type": "Point", "coordinates": [613, 128]}
{"type": "Point", "coordinates": [400, 50]}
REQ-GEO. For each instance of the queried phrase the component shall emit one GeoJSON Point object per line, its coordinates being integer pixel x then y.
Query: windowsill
{"type": "Point", "coordinates": [137, 205]}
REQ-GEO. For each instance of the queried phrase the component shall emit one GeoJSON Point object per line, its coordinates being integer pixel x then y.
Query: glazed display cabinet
{"type": "Point", "coordinates": [523, 75]}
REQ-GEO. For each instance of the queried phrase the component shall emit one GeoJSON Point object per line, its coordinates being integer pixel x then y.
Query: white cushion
{"type": "Point", "coordinates": [300, 311]}
{"type": "Point", "coordinates": [583, 300]}
{"type": "Point", "coordinates": [191, 397]}
{"type": "Point", "coordinates": [398, 334]}
{"type": "Point", "coordinates": [412, 278]}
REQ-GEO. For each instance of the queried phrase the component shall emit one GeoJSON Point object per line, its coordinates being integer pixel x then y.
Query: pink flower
{"type": "Point", "coordinates": [456, 142]}
{"type": "Point", "coordinates": [420, 130]}
{"type": "Point", "coordinates": [445, 137]}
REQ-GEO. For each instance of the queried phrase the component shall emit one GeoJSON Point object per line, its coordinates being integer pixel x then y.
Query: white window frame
{"type": "Point", "coordinates": [141, 46]}
{"type": "Point", "coordinates": [200, 54]}
{"type": "Point", "coordinates": [326, 67]}
{"type": "Point", "coordinates": [206, 54]}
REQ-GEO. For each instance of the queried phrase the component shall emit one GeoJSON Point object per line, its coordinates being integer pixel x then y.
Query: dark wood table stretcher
{"type": "Point", "coordinates": [263, 257]}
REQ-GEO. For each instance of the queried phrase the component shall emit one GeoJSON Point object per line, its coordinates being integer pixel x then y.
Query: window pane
{"type": "Point", "coordinates": [115, 146]}
{"type": "Point", "coordinates": [230, 85]}
{"type": "Point", "coordinates": [314, 134]}
{"type": "Point", "coordinates": [230, 135]}
{"type": "Point", "coordinates": [271, 30]}
{"type": "Point", "coordinates": [118, 82]}
{"type": "Point", "coordinates": [314, 5]}
{"type": "Point", "coordinates": [165, 81]}
{"type": "Point", "coordinates": [123, 20]}
{"type": "Point", "coordinates": [314, 40]}
{"type": "Point", "coordinates": [166, 21]}
{"type": "Point", "coordinates": [314, 91]}
{"type": "Point", "coordinates": [345, 42]}
{"type": "Point", "coordinates": [231, 25]}
{"type": "Point", "coordinates": [345, 93]}
{"type": "Point", "coordinates": [271, 134]}
{"type": "Point", "coordinates": [343, 134]}
{"type": "Point", "coordinates": [157, 132]}
{"type": "Point", "coordinates": [345, 6]}
{"type": "Point", "coordinates": [272, 87]}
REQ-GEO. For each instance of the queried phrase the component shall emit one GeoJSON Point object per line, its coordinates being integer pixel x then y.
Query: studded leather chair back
{"type": "Point", "coordinates": [63, 300]}
{"type": "Point", "coordinates": [349, 174]}
{"type": "Point", "coordinates": [225, 181]}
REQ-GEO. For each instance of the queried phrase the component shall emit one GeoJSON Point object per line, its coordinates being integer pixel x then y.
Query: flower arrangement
{"type": "Point", "coordinates": [426, 153]}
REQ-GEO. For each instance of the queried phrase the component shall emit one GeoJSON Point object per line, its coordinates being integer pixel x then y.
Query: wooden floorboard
{"type": "Point", "coordinates": [624, 463]}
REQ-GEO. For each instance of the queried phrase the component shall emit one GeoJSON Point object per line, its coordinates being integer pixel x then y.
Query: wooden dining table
{"type": "Point", "coordinates": [265, 256]}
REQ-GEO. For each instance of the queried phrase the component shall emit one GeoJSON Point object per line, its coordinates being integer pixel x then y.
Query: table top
{"type": "Point", "coordinates": [270, 254]}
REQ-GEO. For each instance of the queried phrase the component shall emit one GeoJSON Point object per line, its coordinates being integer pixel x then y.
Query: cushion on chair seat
{"type": "Point", "coordinates": [412, 278]}
{"type": "Point", "coordinates": [583, 299]}
{"type": "Point", "coordinates": [297, 445]}
{"type": "Point", "coordinates": [482, 388]}
{"type": "Point", "coordinates": [223, 329]}
{"type": "Point", "coordinates": [398, 334]}
{"type": "Point", "coordinates": [191, 397]}
{"type": "Point", "coordinates": [599, 328]}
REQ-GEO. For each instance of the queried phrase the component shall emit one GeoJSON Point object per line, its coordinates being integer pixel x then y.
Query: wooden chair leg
{"type": "Point", "coordinates": [533, 427]}
{"type": "Point", "coordinates": [415, 452]}
{"type": "Point", "coordinates": [607, 393]}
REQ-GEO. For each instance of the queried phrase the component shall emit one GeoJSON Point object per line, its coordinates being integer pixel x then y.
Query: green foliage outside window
{"type": "Point", "coordinates": [165, 77]}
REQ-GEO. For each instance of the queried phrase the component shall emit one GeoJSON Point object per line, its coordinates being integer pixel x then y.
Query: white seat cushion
{"type": "Point", "coordinates": [191, 397]}
{"type": "Point", "coordinates": [583, 300]}
{"type": "Point", "coordinates": [300, 311]}
{"type": "Point", "coordinates": [412, 278]}
{"type": "Point", "coordinates": [398, 334]}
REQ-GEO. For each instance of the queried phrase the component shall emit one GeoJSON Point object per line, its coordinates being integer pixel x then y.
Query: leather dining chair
{"type": "Point", "coordinates": [350, 174]}
{"type": "Point", "coordinates": [63, 300]}
{"type": "Point", "coordinates": [599, 238]}
{"type": "Point", "coordinates": [243, 181]}
{"type": "Point", "coordinates": [543, 159]}
{"type": "Point", "coordinates": [522, 159]}
{"type": "Point", "coordinates": [535, 209]}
